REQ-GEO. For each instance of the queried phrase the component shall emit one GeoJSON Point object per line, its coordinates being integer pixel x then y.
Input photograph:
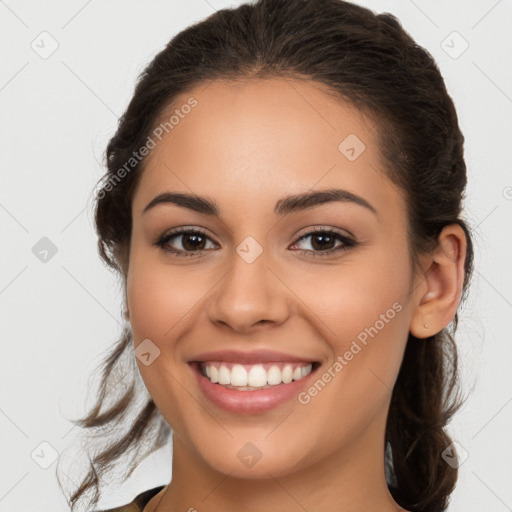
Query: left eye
{"type": "Point", "coordinates": [193, 241]}
{"type": "Point", "coordinates": [322, 241]}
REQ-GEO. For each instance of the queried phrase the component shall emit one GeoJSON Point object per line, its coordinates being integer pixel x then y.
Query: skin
{"type": "Point", "coordinates": [246, 146]}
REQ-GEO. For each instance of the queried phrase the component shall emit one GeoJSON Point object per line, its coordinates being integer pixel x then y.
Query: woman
{"type": "Point", "coordinates": [283, 203]}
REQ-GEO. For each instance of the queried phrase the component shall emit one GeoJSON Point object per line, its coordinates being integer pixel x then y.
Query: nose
{"type": "Point", "coordinates": [250, 294]}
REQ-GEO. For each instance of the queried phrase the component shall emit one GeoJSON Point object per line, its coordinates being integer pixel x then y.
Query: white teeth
{"type": "Point", "coordinates": [287, 374]}
{"type": "Point", "coordinates": [255, 376]}
{"type": "Point", "coordinates": [224, 375]}
{"type": "Point", "coordinates": [238, 375]}
{"type": "Point", "coordinates": [274, 375]}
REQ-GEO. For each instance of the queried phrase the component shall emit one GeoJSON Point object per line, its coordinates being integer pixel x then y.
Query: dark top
{"type": "Point", "coordinates": [138, 504]}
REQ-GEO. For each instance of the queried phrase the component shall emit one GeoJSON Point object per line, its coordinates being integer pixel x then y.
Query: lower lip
{"type": "Point", "coordinates": [249, 402]}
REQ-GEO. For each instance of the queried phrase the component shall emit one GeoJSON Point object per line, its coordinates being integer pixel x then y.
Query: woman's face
{"type": "Point", "coordinates": [259, 291]}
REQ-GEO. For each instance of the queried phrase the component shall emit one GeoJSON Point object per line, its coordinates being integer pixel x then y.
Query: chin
{"type": "Point", "coordinates": [246, 459]}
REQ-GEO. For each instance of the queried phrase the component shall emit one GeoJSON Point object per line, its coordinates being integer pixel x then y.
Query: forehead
{"type": "Point", "coordinates": [250, 142]}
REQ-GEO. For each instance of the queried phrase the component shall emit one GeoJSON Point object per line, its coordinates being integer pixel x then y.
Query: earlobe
{"type": "Point", "coordinates": [438, 296]}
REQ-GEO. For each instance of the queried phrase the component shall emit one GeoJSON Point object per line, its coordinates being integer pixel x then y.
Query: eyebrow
{"type": "Point", "coordinates": [287, 205]}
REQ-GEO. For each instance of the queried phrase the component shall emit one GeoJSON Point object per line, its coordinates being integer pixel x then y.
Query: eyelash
{"type": "Point", "coordinates": [347, 242]}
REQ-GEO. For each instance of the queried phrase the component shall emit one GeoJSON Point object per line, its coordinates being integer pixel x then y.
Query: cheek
{"type": "Point", "coordinates": [364, 312]}
{"type": "Point", "coordinates": [159, 298]}
{"type": "Point", "coordinates": [161, 302]}
{"type": "Point", "coordinates": [361, 292]}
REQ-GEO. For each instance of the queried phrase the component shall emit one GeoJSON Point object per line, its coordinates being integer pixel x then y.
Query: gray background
{"type": "Point", "coordinates": [60, 316]}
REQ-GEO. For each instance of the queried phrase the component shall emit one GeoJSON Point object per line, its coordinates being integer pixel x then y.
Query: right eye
{"type": "Point", "coordinates": [192, 242]}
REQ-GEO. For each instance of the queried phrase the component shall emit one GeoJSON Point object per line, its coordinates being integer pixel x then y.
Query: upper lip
{"type": "Point", "coordinates": [249, 357]}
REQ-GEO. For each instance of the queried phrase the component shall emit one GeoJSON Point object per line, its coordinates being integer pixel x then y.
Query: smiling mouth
{"type": "Point", "coordinates": [254, 377]}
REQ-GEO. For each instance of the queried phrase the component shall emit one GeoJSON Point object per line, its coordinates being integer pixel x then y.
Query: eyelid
{"type": "Point", "coordinates": [181, 231]}
{"type": "Point", "coordinates": [187, 229]}
{"type": "Point", "coordinates": [348, 241]}
{"type": "Point", "coordinates": [321, 228]}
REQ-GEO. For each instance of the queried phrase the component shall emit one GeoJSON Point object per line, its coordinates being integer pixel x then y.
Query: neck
{"type": "Point", "coordinates": [352, 479]}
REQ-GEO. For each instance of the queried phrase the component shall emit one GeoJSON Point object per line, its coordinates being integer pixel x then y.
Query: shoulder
{"type": "Point", "coordinates": [138, 504]}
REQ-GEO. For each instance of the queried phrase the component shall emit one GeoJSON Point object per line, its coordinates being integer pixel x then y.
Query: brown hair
{"type": "Point", "coordinates": [371, 62]}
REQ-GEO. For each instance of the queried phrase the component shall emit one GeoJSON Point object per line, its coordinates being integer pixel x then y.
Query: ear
{"type": "Point", "coordinates": [438, 288]}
